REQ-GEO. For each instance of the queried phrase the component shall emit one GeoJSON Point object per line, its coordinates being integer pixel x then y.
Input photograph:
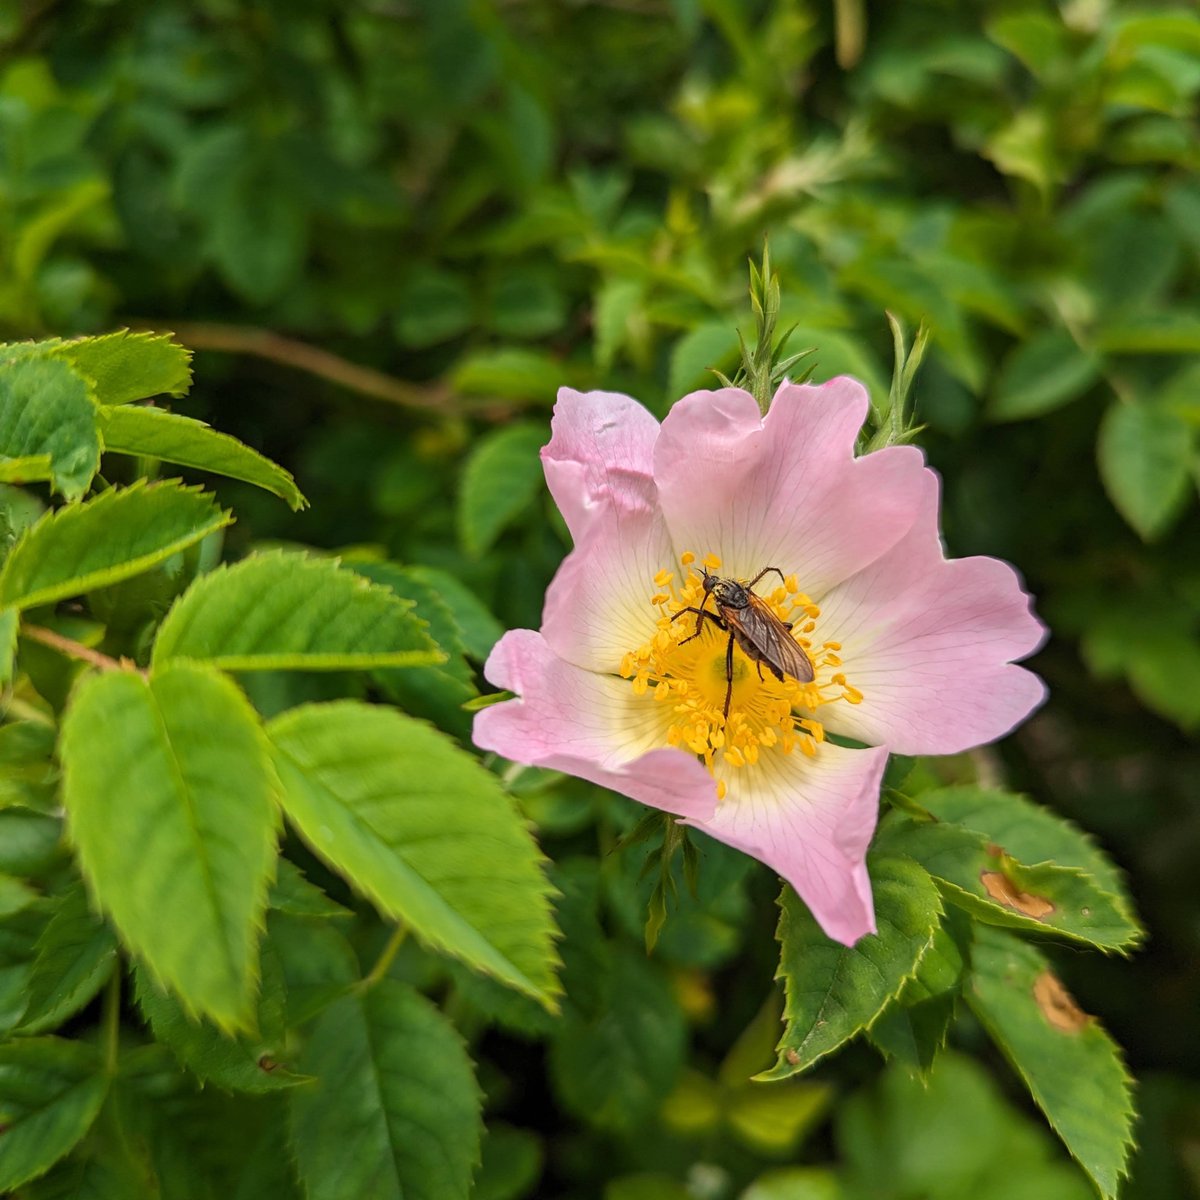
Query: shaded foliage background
{"type": "Point", "coordinates": [479, 201]}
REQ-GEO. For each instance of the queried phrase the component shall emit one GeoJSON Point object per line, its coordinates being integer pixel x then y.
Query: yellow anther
{"type": "Point", "coordinates": [721, 789]}
{"type": "Point", "coordinates": [663, 577]}
{"type": "Point", "coordinates": [659, 598]}
{"type": "Point", "coordinates": [712, 562]}
{"type": "Point", "coordinates": [733, 756]}
{"type": "Point", "coordinates": [852, 695]}
{"type": "Point", "coordinates": [687, 558]}
{"type": "Point", "coordinates": [791, 584]}
{"type": "Point", "coordinates": [832, 646]}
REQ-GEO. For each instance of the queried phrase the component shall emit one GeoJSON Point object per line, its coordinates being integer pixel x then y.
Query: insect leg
{"type": "Point", "coordinates": [701, 613]}
{"type": "Point", "coordinates": [728, 676]}
{"type": "Point", "coordinates": [767, 571]}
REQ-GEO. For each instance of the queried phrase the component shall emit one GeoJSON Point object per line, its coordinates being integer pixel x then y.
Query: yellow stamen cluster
{"type": "Point", "coordinates": [689, 674]}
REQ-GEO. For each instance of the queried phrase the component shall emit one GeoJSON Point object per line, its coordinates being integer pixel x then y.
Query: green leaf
{"type": "Point", "coordinates": [118, 534]}
{"type": "Point", "coordinates": [170, 803]}
{"type": "Point", "coordinates": [615, 1065]}
{"type": "Point", "coordinates": [50, 1093]}
{"type": "Point", "coordinates": [175, 439]}
{"type": "Point", "coordinates": [248, 1063]}
{"type": "Point", "coordinates": [395, 1111]}
{"type": "Point", "coordinates": [126, 366]}
{"type": "Point", "coordinates": [259, 235]}
{"type": "Point", "coordinates": [512, 1162]}
{"type": "Point", "coordinates": [435, 306]}
{"type": "Point", "coordinates": [292, 893]}
{"type": "Point", "coordinates": [479, 629]}
{"type": "Point", "coordinates": [1041, 375]}
{"type": "Point", "coordinates": [508, 374]}
{"type": "Point", "coordinates": [283, 610]}
{"type": "Point", "coordinates": [502, 477]}
{"type": "Point", "coordinates": [795, 1183]}
{"type": "Point", "coordinates": [1071, 1066]}
{"type": "Point", "coordinates": [76, 954]}
{"type": "Point", "coordinates": [713, 345]}
{"type": "Point", "coordinates": [1171, 332]}
{"type": "Point", "coordinates": [1028, 831]}
{"type": "Point", "coordinates": [1145, 453]}
{"type": "Point", "coordinates": [425, 832]}
{"type": "Point", "coordinates": [981, 877]}
{"type": "Point", "coordinates": [913, 1028]}
{"type": "Point", "coordinates": [835, 991]}
{"type": "Point", "coordinates": [48, 409]}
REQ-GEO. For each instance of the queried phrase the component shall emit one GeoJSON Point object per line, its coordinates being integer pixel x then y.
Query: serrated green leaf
{"type": "Point", "coordinates": [292, 893]}
{"type": "Point", "coordinates": [46, 408]}
{"type": "Point", "coordinates": [50, 1093]}
{"type": "Point", "coordinates": [1029, 832]}
{"type": "Point", "coordinates": [1041, 375]}
{"type": "Point", "coordinates": [189, 443]}
{"type": "Point", "coordinates": [616, 1064]}
{"type": "Point", "coordinates": [1145, 454]}
{"type": "Point", "coordinates": [169, 794]}
{"type": "Point", "coordinates": [502, 476]}
{"type": "Point", "coordinates": [835, 991]}
{"type": "Point", "coordinates": [112, 537]}
{"type": "Point", "coordinates": [980, 877]}
{"type": "Point", "coordinates": [284, 610]}
{"type": "Point", "coordinates": [126, 366]}
{"type": "Point", "coordinates": [394, 1113]}
{"type": "Point", "coordinates": [1071, 1066]}
{"type": "Point", "coordinates": [425, 832]}
{"type": "Point", "coordinates": [76, 954]}
{"type": "Point", "coordinates": [479, 629]}
{"type": "Point", "coordinates": [253, 1062]}
{"type": "Point", "coordinates": [15, 895]}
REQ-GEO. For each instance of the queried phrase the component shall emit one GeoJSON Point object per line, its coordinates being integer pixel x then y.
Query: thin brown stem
{"type": "Point", "coordinates": [73, 649]}
{"type": "Point", "coordinates": [263, 343]}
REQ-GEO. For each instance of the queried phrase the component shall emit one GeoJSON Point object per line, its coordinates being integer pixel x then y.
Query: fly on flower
{"type": "Point", "coordinates": [750, 622]}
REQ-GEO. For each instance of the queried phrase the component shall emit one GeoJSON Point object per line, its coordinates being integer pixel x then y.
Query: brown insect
{"type": "Point", "coordinates": [749, 621]}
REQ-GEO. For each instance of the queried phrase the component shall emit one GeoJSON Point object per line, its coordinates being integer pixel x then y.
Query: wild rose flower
{"type": "Point", "coordinates": [911, 652]}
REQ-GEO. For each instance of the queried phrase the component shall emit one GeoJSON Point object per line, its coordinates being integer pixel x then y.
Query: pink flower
{"type": "Point", "coordinates": [911, 652]}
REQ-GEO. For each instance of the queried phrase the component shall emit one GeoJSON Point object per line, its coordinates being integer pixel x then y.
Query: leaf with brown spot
{"type": "Point", "coordinates": [1000, 888]}
{"type": "Point", "coordinates": [1073, 1069]}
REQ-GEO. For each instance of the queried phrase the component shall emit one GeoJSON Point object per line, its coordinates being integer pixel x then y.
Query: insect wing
{"type": "Point", "coordinates": [773, 640]}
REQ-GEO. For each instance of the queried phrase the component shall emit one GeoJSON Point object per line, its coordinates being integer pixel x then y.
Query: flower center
{"type": "Point", "coordinates": [688, 666]}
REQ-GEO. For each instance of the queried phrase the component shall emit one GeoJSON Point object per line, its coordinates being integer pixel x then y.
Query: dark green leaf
{"type": "Point", "coordinates": [50, 1093]}
{"type": "Point", "coordinates": [1069, 1063]}
{"type": "Point", "coordinates": [1042, 374]}
{"type": "Point", "coordinates": [835, 991]}
{"type": "Point", "coordinates": [394, 1113]}
{"type": "Point", "coordinates": [501, 478]}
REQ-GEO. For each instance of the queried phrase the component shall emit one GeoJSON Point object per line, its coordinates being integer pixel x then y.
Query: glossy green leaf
{"type": "Point", "coordinates": [427, 834]}
{"type": "Point", "coordinates": [170, 800]}
{"type": "Point", "coordinates": [394, 1112]}
{"type": "Point", "coordinates": [1041, 375]}
{"type": "Point", "coordinates": [50, 1093]}
{"type": "Point", "coordinates": [112, 537]}
{"type": "Point", "coordinates": [10, 620]}
{"type": "Point", "coordinates": [501, 478]}
{"type": "Point", "coordinates": [32, 468]}
{"type": "Point", "coordinates": [1069, 1063]}
{"type": "Point", "coordinates": [1171, 332]}
{"type": "Point", "coordinates": [253, 1062]}
{"type": "Point", "coordinates": [978, 875]}
{"type": "Point", "coordinates": [616, 1064]}
{"type": "Point", "coordinates": [284, 610]}
{"type": "Point", "coordinates": [833, 991]}
{"type": "Point", "coordinates": [48, 409]}
{"type": "Point", "coordinates": [76, 954]}
{"type": "Point", "coordinates": [125, 366]}
{"type": "Point", "coordinates": [292, 893]}
{"type": "Point", "coordinates": [167, 436]}
{"type": "Point", "coordinates": [1145, 453]}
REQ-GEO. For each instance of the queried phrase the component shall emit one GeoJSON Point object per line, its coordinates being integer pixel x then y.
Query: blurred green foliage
{"type": "Point", "coordinates": [481, 200]}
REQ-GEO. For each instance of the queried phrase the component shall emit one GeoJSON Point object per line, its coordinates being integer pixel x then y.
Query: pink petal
{"type": "Point", "coordinates": [600, 455]}
{"type": "Point", "coordinates": [810, 819]}
{"type": "Point", "coordinates": [784, 490]}
{"type": "Point", "coordinates": [929, 642]}
{"type": "Point", "coordinates": [588, 725]}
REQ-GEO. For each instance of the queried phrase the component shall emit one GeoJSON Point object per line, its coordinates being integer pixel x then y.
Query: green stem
{"type": "Point", "coordinates": [386, 958]}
